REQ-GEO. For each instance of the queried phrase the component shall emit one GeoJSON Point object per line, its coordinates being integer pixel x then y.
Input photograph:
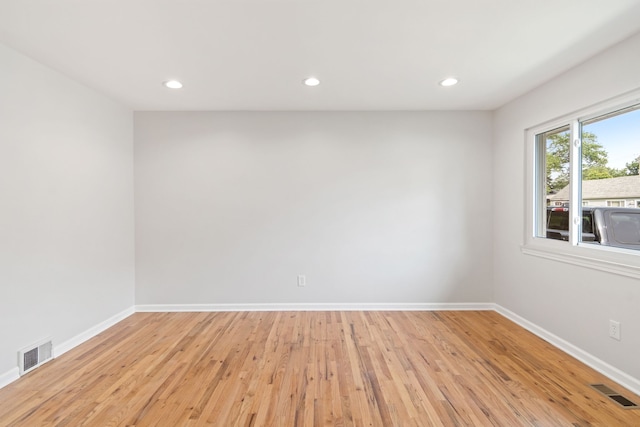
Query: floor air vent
{"type": "Point", "coordinates": [35, 355]}
{"type": "Point", "coordinates": [615, 396]}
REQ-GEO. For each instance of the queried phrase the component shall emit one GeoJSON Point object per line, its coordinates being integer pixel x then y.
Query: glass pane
{"type": "Point", "coordinates": [610, 179]}
{"type": "Point", "coordinates": [626, 228]}
{"type": "Point", "coordinates": [552, 162]}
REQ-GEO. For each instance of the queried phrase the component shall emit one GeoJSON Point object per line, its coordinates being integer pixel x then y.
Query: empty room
{"type": "Point", "coordinates": [306, 213]}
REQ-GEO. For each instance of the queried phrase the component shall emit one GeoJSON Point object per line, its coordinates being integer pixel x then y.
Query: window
{"type": "Point", "coordinates": [553, 162]}
{"type": "Point", "coordinates": [584, 188]}
{"type": "Point", "coordinates": [626, 228]}
{"type": "Point", "coordinates": [596, 161]}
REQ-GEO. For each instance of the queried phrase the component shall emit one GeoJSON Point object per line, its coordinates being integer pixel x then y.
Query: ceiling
{"type": "Point", "coordinates": [369, 55]}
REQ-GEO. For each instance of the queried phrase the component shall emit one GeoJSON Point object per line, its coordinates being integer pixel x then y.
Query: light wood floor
{"type": "Point", "coordinates": [313, 369]}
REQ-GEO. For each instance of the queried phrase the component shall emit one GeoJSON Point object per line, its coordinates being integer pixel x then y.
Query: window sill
{"type": "Point", "coordinates": [611, 260]}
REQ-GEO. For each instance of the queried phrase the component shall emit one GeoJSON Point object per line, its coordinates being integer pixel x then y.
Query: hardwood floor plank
{"type": "Point", "coordinates": [295, 369]}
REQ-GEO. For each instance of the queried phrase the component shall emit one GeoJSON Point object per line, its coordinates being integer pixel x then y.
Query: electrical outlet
{"type": "Point", "coordinates": [614, 329]}
{"type": "Point", "coordinates": [302, 280]}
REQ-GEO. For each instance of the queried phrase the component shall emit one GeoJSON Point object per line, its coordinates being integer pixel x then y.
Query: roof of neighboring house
{"type": "Point", "coordinates": [624, 187]}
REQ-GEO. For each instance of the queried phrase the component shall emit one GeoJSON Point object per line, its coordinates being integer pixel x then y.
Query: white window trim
{"type": "Point", "coordinates": [619, 261]}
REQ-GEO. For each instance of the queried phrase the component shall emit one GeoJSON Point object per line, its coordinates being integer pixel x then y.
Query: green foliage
{"type": "Point", "coordinates": [602, 172]}
{"type": "Point", "coordinates": [596, 172]}
{"type": "Point", "coordinates": [633, 167]}
{"type": "Point", "coordinates": [594, 161]}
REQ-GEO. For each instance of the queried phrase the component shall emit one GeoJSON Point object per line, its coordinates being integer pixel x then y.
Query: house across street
{"type": "Point", "coordinates": [623, 191]}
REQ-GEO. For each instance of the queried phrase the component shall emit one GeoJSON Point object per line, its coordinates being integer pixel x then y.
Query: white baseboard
{"type": "Point", "coordinates": [9, 377]}
{"type": "Point", "coordinates": [625, 380]}
{"type": "Point", "coordinates": [314, 307]}
{"type": "Point", "coordinates": [62, 348]}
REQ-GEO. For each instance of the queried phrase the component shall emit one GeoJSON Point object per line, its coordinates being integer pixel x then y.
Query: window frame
{"type": "Point", "coordinates": [620, 261]}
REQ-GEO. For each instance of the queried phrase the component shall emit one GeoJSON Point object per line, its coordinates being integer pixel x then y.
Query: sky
{"type": "Point", "coordinates": [620, 137]}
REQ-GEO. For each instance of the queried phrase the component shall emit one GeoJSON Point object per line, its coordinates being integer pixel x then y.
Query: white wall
{"type": "Point", "coordinates": [66, 207]}
{"type": "Point", "coordinates": [230, 207]}
{"type": "Point", "coordinates": [371, 207]}
{"type": "Point", "coordinates": [571, 302]}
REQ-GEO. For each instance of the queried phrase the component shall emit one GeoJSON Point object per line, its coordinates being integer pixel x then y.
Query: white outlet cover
{"type": "Point", "coordinates": [302, 280]}
{"type": "Point", "coordinates": [614, 329]}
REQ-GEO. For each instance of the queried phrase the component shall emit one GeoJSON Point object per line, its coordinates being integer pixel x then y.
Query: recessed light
{"type": "Point", "coordinates": [172, 84]}
{"type": "Point", "coordinates": [449, 81]}
{"type": "Point", "coordinates": [311, 81]}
